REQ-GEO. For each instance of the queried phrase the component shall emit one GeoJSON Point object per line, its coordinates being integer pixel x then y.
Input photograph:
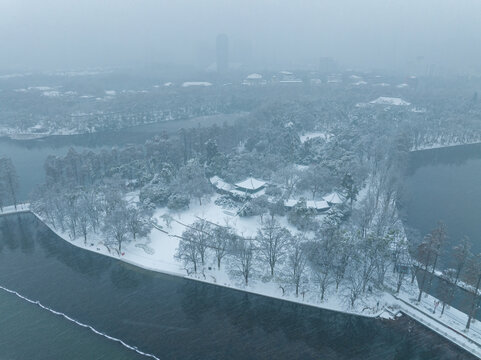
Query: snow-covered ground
{"type": "Point", "coordinates": [196, 83]}
{"type": "Point", "coordinates": [10, 209]}
{"type": "Point", "coordinates": [157, 251]}
{"type": "Point", "coordinates": [438, 145]}
{"type": "Point", "coordinates": [383, 100]}
{"type": "Point", "coordinates": [451, 325]}
{"type": "Point", "coordinates": [315, 134]}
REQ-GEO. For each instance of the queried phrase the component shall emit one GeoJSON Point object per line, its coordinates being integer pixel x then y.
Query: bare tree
{"type": "Point", "coordinates": [272, 241]}
{"type": "Point", "coordinates": [367, 259]}
{"type": "Point", "coordinates": [424, 256]}
{"type": "Point", "coordinates": [137, 223]}
{"type": "Point", "coordinates": [220, 240]}
{"type": "Point", "coordinates": [288, 176]}
{"type": "Point", "coordinates": [446, 288]}
{"type": "Point", "coordinates": [297, 261]}
{"type": "Point", "coordinates": [83, 217]}
{"type": "Point", "coordinates": [321, 257]}
{"type": "Point", "coordinates": [191, 181]}
{"type": "Point", "coordinates": [474, 279]}
{"type": "Point", "coordinates": [438, 237]}
{"type": "Point", "coordinates": [188, 252]}
{"type": "Point", "coordinates": [71, 212]}
{"type": "Point", "coordinates": [355, 284]}
{"type": "Point", "coordinates": [115, 225]}
{"type": "Point", "coordinates": [200, 233]}
{"type": "Point", "coordinates": [461, 255]}
{"type": "Point", "coordinates": [243, 259]}
{"type": "Point", "coordinates": [341, 260]}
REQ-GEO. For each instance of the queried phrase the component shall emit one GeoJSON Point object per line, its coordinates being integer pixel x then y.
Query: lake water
{"type": "Point", "coordinates": [178, 318]}
{"type": "Point", "coordinates": [170, 317]}
{"type": "Point", "coordinates": [29, 156]}
{"type": "Point", "coordinates": [445, 184]}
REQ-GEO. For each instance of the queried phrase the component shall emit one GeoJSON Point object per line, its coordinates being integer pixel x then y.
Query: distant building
{"type": "Point", "coordinates": [242, 191]}
{"type": "Point", "coordinates": [254, 79]}
{"type": "Point", "coordinates": [333, 199]}
{"type": "Point", "coordinates": [320, 206]}
{"type": "Point", "coordinates": [222, 48]}
{"type": "Point", "coordinates": [288, 77]}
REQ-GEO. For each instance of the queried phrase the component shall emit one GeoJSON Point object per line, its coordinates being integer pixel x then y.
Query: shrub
{"type": "Point", "coordinates": [178, 202]}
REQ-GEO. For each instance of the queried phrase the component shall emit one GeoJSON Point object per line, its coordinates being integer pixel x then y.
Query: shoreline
{"type": "Point", "coordinates": [20, 137]}
{"type": "Point", "coordinates": [443, 146]}
{"type": "Point", "coordinates": [398, 305]}
{"type": "Point", "coordinates": [198, 279]}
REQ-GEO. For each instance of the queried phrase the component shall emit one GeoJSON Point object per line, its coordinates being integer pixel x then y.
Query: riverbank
{"type": "Point", "coordinates": [11, 209]}
{"type": "Point", "coordinates": [443, 145]}
{"type": "Point", "coordinates": [389, 305]}
{"type": "Point", "coordinates": [157, 253]}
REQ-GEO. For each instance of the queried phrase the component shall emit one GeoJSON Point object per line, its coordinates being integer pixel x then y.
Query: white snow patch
{"type": "Point", "coordinates": [251, 184]}
{"type": "Point", "coordinates": [315, 134]}
{"type": "Point", "coordinates": [383, 100]}
{"type": "Point", "coordinates": [51, 93]}
{"type": "Point", "coordinates": [196, 83]}
{"type": "Point", "coordinates": [40, 88]}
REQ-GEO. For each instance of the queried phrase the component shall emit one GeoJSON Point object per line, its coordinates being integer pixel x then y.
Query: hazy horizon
{"type": "Point", "coordinates": [374, 34]}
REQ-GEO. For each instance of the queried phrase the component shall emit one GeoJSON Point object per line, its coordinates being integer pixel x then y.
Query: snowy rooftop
{"type": "Point", "coordinates": [254, 76]}
{"type": "Point", "coordinates": [318, 205]}
{"type": "Point", "coordinates": [250, 184]}
{"type": "Point", "coordinates": [382, 100]}
{"type": "Point", "coordinates": [196, 83]}
{"type": "Point", "coordinates": [333, 198]}
{"type": "Point", "coordinates": [311, 204]}
{"type": "Point", "coordinates": [220, 184]}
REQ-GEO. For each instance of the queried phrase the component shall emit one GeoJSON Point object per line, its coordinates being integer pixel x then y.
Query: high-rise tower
{"type": "Point", "coordinates": [222, 47]}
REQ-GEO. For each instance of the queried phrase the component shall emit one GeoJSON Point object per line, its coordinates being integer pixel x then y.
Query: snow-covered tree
{"type": "Point", "coordinates": [296, 262]}
{"type": "Point", "coordinates": [243, 257]}
{"type": "Point", "coordinates": [272, 241]}
{"type": "Point", "coordinates": [115, 225]}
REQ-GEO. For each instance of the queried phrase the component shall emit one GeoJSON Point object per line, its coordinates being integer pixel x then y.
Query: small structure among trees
{"type": "Point", "coordinates": [251, 185]}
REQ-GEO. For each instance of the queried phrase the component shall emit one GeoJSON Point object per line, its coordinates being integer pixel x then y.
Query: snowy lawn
{"type": "Point", "coordinates": [157, 252]}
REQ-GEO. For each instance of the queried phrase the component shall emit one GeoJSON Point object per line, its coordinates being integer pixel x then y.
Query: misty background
{"type": "Point", "coordinates": [365, 35]}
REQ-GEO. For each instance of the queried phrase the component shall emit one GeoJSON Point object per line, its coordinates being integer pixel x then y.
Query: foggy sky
{"type": "Point", "coordinates": [386, 34]}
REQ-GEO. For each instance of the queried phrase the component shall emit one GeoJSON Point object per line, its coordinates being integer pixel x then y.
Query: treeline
{"type": "Point", "coordinates": [99, 210]}
{"type": "Point", "coordinates": [260, 145]}
{"type": "Point", "coordinates": [332, 259]}
{"type": "Point", "coordinates": [464, 269]}
{"type": "Point", "coordinates": [8, 183]}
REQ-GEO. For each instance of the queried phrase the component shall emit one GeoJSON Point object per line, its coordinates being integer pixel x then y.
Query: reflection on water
{"type": "Point", "coordinates": [444, 184]}
{"type": "Point", "coordinates": [184, 319]}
